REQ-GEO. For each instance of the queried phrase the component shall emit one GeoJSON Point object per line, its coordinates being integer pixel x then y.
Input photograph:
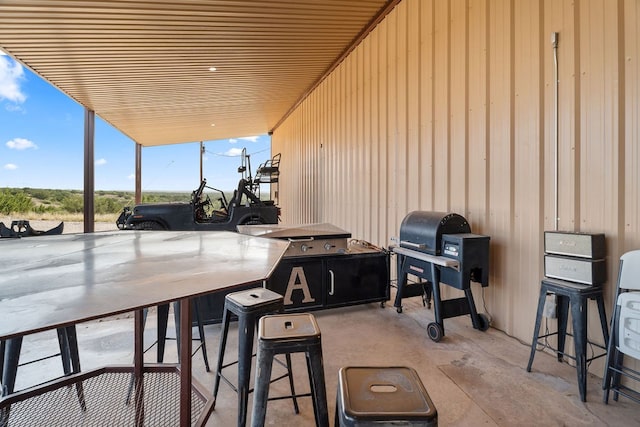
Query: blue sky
{"type": "Point", "coordinates": [42, 137]}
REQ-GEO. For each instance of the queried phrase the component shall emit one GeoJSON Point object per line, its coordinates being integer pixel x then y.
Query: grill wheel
{"type": "Point", "coordinates": [435, 331]}
{"type": "Point", "coordinates": [484, 321]}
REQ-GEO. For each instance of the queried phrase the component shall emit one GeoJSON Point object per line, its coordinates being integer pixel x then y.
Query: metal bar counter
{"type": "Point", "coordinates": [52, 281]}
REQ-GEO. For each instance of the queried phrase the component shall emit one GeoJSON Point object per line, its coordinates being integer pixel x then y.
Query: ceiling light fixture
{"type": "Point", "coordinates": [212, 68]}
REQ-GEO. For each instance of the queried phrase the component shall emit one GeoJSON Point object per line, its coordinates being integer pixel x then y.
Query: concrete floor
{"type": "Point", "coordinates": [473, 378]}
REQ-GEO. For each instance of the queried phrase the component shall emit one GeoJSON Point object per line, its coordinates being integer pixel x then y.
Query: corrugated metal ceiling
{"type": "Point", "coordinates": [143, 66]}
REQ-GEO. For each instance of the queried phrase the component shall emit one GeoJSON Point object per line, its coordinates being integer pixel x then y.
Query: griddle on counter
{"type": "Point", "coordinates": [439, 247]}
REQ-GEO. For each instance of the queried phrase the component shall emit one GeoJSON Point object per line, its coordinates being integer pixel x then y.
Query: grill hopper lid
{"type": "Point", "coordinates": [423, 230]}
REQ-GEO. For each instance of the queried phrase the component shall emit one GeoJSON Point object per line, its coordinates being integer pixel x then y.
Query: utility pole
{"type": "Point", "coordinates": [201, 156]}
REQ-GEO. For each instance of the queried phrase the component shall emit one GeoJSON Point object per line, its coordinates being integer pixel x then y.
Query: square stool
{"type": "Point", "coordinates": [248, 306]}
{"type": "Point", "coordinates": [162, 320]}
{"type": "Point", "coordinates": [573, 296]}
{"type": "Point", "coordinates": [382, 396]}
{"type": "Point", "coordinates": [286, 334]}
{"type": "Point", "coordinates": [10, 355]}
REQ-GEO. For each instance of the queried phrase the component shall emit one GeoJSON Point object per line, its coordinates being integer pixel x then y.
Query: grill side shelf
{"type": "Point", "coordinates": [438, 260]}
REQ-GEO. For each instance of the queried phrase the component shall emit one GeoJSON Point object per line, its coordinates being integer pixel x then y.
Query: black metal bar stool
{"type": "Point", "coordinates": [286, 334]}
{"type": "Point", "coordinates": [374, 396]}
{"type": "Point", "coordinates": [572, 296]}
{"type": "Point", "coordinates": [201, 336]}
{"type": "Point", "coordinates": [162, 322]}
{"type": "Point", "coordinates": [10, 357]}
{"type": "Point", "coordinates": [248, 306]}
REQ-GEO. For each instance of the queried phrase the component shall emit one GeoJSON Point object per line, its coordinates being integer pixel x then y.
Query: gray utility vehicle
{"type": "Point", "coordinates": [244, 208]}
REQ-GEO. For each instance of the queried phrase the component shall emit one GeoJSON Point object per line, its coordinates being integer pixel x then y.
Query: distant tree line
{"type": "Point", "coordinates": [25, 200]}
{"type": "Point", "coordinates": [15, 201]}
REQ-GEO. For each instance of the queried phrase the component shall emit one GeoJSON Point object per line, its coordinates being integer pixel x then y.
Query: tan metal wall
{"type": "Point", "coordinates": [449, 105]}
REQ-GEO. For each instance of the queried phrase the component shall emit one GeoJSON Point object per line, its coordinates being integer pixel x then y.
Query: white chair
{"type": "Point", "coordinates": [625, 331]}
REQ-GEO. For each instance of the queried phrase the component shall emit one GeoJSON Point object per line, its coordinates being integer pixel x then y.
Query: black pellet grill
{"type": "Point", "coordinates": [438, 247]}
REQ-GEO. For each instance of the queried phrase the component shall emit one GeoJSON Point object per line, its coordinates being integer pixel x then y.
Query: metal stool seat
{"type": "Point", "coordinates": [286, 334]}
{"type": "Point", "coordinates": [248, 306]}
{"type": "Point", "coordinates": [377, 396]}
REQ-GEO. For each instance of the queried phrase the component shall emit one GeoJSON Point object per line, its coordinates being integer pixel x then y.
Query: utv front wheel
{"type": "Point", "coordinates": [150, 225]}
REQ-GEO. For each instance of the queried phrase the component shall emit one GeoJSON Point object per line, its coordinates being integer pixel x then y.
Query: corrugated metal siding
{"type": "Point", "coordinates": [629, 134]}
{"type": "Point", "coordinates": [449, 105]}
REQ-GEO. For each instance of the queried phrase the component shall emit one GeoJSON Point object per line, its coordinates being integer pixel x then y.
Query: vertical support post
{"type": "Point", "coordinates": [185, 362]}
{"type": "Point", "coordinates": [201, 156]}
{"type": "Point", "coordinates": [89, 135]}
{"type": "Point", "coordinates": [138, 174]}
{"type": "Point", "coordinates": [138, 365]}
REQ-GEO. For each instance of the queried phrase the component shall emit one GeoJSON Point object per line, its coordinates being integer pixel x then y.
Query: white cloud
{"type": "Point", "coordinates": [10, 167]}
{"type": "Point", "coordinates": [250, 138]}
{"type": "Point", "coordinates": [101, 162]}
{"type": "Point", "coordinates": [21, 144]}
{"type": "Point", "coordinates": [233, 141]}
{"type": "Point", "coordinates": [15, 108]}
{"type": "Point", "coordinates": [132, 176]}
{"type": "Point", "coordinates": [11, 73]}
{"type": "Point", "coordinates": [233, 152]}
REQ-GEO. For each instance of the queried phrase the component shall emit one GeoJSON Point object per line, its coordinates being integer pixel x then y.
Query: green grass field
{"type": "Point", "coordinates": [68, 205]}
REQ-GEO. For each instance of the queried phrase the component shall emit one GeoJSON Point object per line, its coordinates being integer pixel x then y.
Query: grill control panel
{"type": "Point", "coordinates": [450, 249]}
